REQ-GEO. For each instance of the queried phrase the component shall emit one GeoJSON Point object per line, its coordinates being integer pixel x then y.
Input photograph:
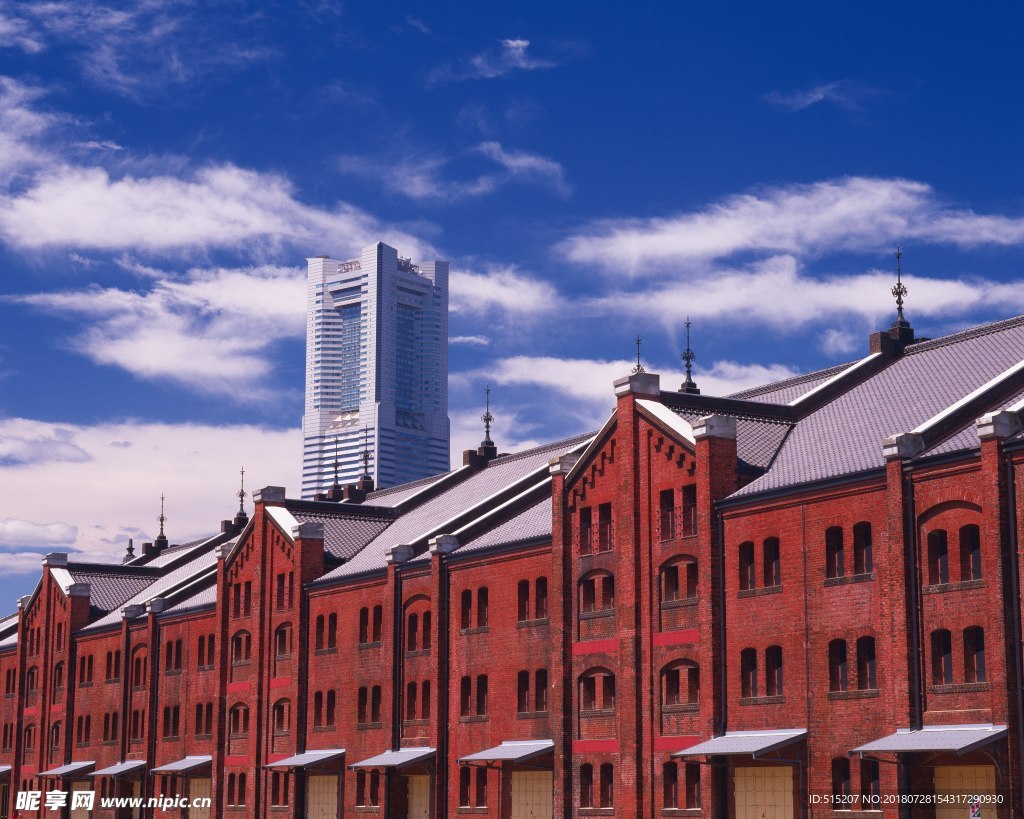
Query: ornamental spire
{"type": "Point", "coordinates": [899, 290]}
{"type": "Point", "coordinates": [688, 357]}
{"type": "Point", "coordinates": [639, 368]}
{"type": "Point", "coordinates": [487, 418]}
{"type": "Point", "coordinates": [241, 493]}
{"type": "Point", "coordinates": [366, 454]}
{"type": "Point", "coordinates": [163, 517]}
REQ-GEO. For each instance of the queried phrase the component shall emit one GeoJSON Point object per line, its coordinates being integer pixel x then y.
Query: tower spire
{"type": "Point", "coordinates": [366, 455]}
{"type": "Point", "coordinates": [899, 290]}
{"type": "Point", "coordinates": [639, 367]}
{"type": "Point", "coordinates": [163, 517]}
{"type": "Point", "coordinates": [336, 464]}
{"type": "Point", "coordinates": [688, 356]}
{"type": "Point", "coordinates": [241, 493]}
{"type": "Point", "coordinates": [487, 418]}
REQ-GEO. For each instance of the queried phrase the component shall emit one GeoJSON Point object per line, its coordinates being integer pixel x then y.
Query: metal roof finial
{"type": "Point", "coordinates": [899, 290]}
{"type": "Point", "coordinates": [688, 356]}
{"type": "Point", "coordinates": [336, 462]}
{"type": "Point", "coordinates": [366, 453]}
{"type": "Point", "coordinates": [639, 367]}
{"type": "Point", "coordinates": [487, 418]}
{"type": "Point", "coordinates": [163, 517]}
{"type": "Point", "coordinates": [241, 493]}
{"type": "Point", "coordinates": [129, 552]}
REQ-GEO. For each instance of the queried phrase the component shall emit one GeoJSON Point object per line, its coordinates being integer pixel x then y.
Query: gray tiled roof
{"type": "Point", "coordinates": [395, 495]}
{"type": "Point", "coordinates": [845, 436]}
{"type": "Point", "coordinates": [532, 523]}
{"type": "Point", "coordinates": [108, 590]}
{"type": "Point", "coordinates": [344, 534]}
{"type": "Point", "coordinates": [423, 520]}
{"type": "Point", "coordinates": [966, 438]}
{"type": "Point", "coordinates": [176, 551]}
{"type": "Point", "coordinates": [757, 439]}
{"type": "Point", "coordinates": [199, 600]}
{"type": "Point", "coordinates": [782, 392]}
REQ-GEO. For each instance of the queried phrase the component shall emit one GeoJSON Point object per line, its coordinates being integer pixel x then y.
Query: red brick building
{"type": "Point", "coordinates": [799, 600]}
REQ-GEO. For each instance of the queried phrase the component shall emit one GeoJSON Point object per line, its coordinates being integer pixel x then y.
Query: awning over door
{"type": "Point", "coordinates": [742, 743]}
{"type": "Point", "coordinates": [69, 770]}
{"type": "Point", "coordinates": [512, 752]}
{"type": "Point", "coordinates": [122, 769]}
{"type": "Point", "coordinates": [189, 765]}
{"type": "Point", "coordinates": [396, 759]}
{"type": "Point", "coordinates": [959, 739]}
{"type": "Point", "coordinates": [307, 759]}
{"type": "Point", "coordinates": [5, 771]}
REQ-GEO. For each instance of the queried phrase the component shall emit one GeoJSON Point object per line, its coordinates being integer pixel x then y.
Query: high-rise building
{"type": "Point", "coordinates": [376, 370]}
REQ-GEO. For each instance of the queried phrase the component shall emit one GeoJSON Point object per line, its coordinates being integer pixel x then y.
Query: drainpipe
{"type": "Point", "coordinates": [723, 783]}
{"type": "Point", "coordinates": [910, 533]}
{"type": "Point", "coordinates": [1011, 495]}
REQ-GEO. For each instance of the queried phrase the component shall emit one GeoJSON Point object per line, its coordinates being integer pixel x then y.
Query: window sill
{"type": "Point", "coordinates": [854, 694]}
{"type": "Point", "coordinates": [532, 715]}
{"type": "Point", "coordinates": [959, 688]}
{"type": "Point", "coordinates": [113, 681]}
{"type": "Point", "coordinates": [596, 811]}
{"type": "Point", "coordinates": [320, 729]}
{"type": "Point", "coordinates": [542, 621]}
{"type": "Point", "coordinates": [759, 591]}
{"type": "Point", "coordinates": [963, 585]}
{"type": "Point", "coordinates": [475, 630]}
{"type": "Point", "coordinates": [204, 668]}
{"type": "Point", "coordinates": [466, 809]}
{"type": "Point", "coordinates": [374, 644]}
{"type": "Point", "coordinates": [596, 615]}
{"type": "Point", "coordinates": [597, 712]}
{"type": "Point", "coordinates": [367, 726]}
{"type": "Point", "coordinates": [681, 603]}
{"type": "Point", "coordinates": [846, 580]}
{"type": "Point", "coordinates": [170, 739]}
{"type": "Point", "coordinates": [681, 708]}
{"type": "Point", "coordinates": [110, 742]}
{"type": "Point", "coordinates": [767, 700]}
{"type": "Point", "coordinates": [332, 650]}
{"type": "Point", "coordinates": [203, 736]}
{"type": "Point", "coordinates": [475, 718]}
{"type": "Point", "coordinates": [680, 811]}
{"type": "Point", "coordinates": [420, 652]}
{"type": "Point", "coordinates": [597, 552]}
{"type": "Point", "coordinates": [414, 723]}
{"type": "Point", "coordinates": [367, 808]}
{"type": "Point", "coordinates": [85, 685]}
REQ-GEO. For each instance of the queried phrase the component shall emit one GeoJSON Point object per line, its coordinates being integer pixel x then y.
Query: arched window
{"type": "Point", "coordinates": [586, 786]}
{"type": "Point", "coordinates": [201, 654]}
{"type": "Point", "coordinates": [974, 654]}
{"type": "Point", "coordinates": [540, 691]}
{"type": "Point", "coordinates": [523, 601]}
{"type": "Point", "coordinates": [748, 672]}
{"type": "Point", "coordinates": [862, 560]}
{"type": "Point", "coordinates": [282, 717]}
{"type": "Point", "coordinates": [427, 636]}
{"type": "Point", "coordinates": [772, 563]}
{"type": "Point", "coordinates": [670, 786]}
{"type": "Point", "coordinates": [332, 631]}
{"type": "Point", "coordinates": [597, 593]}
{"type": "Point", "coordinates": [139, 668]}
{"type": "Point", "coordinates": [748, 580]}
{"type": "Point", "coordinates": [597, 690]}
{"type": "Point", "coordinates": [241, 647]}
{"type": "Point", "coordinates": [540, 606]}
{"type": "Point", "coordinates": [970, 552]}
{"type": "Point", "coordinates": [942, 657]}
{"type": "Point", "coordinates": [938, 557]}
{"type": "Point", "coordinates": [835, 564]}
{"type": "Point", "coordinates": [378, 621]}
{"type": "Point", "coordinates": [283, 641]}
{"type": "Point", "coordinates": [678, 580]}
{"type": "Point", "coordinates": [410, 700]}
{"type": "Point", "coordinates": [866, 663]}
{"type": "Point", "coordinates": [838, 679]}
{"type": "Point", "coordinates": [319, 630]}
{"type": "Point", "coordinates": [364, 627]}
{"type": "Point", "coordinates": [680, 683]}
{"type": "Point", "coordinates": [522, 692]}
{"type": "Point", "coordinates": [332, 703]}
{"type": "Point", "coordinates": [607, 794]}
{"type": "Point", "coordinates": [412, 633]}
{"type": "Point", "coordinates": [238, 729]}
{"type": "Point", "coordinates": [482, 607]}
{"type": "Point", "coordinates": [773, 671]}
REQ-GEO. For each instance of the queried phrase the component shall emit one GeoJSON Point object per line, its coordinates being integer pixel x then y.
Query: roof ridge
{"type": "Point", "coordinates": [963, 335]}
{"type": "Point", "coordinates": [526, 453]}
{"type": "Point", "coordinates": [792, 381]}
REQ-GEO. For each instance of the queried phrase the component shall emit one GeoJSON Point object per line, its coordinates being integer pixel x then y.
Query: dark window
{"type": "Point", "coordinates": [425, 700]}
{"type": "Point", "coordinates": [834, 559]}
{"type": "Point", "coordinates": [247, 609]}
{"type": "Point", "coordinates": [375, 695]}
{"type": "Point", "coordinates": [362, 714]}
{"type": "Point", "coordinates": [412, 632]}
{"type": "Point", "coordinates": [378, 620]}
{"type": "Point", "coordinates": [540, 692]}
{"type": "Point", "coordinates": [772, 563]}
{"type": "Point", "coordinates": [481, 695]}
{"type": "Point", "coordinates": [332, 631]}
{"type": "Point", "coordinates": [202, 652]}
{"type": "Point", "coordinates": [209, 651]}
{"type": "Point", "coordinates": [410, 701]}
{"type": "Point", "coordinates": [866, 663]}
{"type": "Point", "coordinates": [586, 531]}
{"type": "Point", "coordinates": [942, 657]}
{"type": "Point", "coordinates": [540, 610]}
{"type": "Point", "coordinates": [870, 781]}
{"type": "Point", "coordinates": [364, 628]}
{"type": "Point", "coordinates": [974, 654]}
{"type": "Point", "coordinates": [332, 702]}
{"type": "Point", "coordinates": [838, 679]}
{"type": "Point", "coordinates": [667, 514]}
{"type": "Point", "coordinates": [970, 553]}
{"type": "Point", "coordinates": [466, 697]}
{"type": "Point", "coordinates": [523, 692]}
{"type": "Point", "coordinates": [523, 600]}
{"type": "Point", "coordinates": [773, 669]}
{"type": "Point", "coordinates": [604, 528]}
{"type": "Point", "coordinates": [607, 792]}
{"type": "Point", "coordinates": [746, 555]}
{"type": "Point", "coordinates": [841, 779]}
{"type": "Point", "coordinates": [482, 613]}
{"type": "Point", "coordinates": [688, 524]}
{"type": "Point", "coordinates": [670, 786]}
{"type": "Point", "coordinates": [465, 783]}
{"type": "Point", "coordinates": [481, 787]}
{"type": "Point", "coordinates": [425, 642]}
{"type": "Point", "coordinates": [280, 591]}
{"type": "Point", "coordinates": [862, 561]}
{"type": "Point", "coordinates": [748, 672]}
{"type": "Point", "coordinates": [586, 786]}
{"type": "Point", "coordinates": [466, 620]}
{"type": "Point", "coordinates": [938, 557]}
{"type": "Point", "coordinates": [670, 583]}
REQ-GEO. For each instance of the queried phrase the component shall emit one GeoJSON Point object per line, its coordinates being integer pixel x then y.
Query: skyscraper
{"type": "Point", "coordinates": [376, 370]}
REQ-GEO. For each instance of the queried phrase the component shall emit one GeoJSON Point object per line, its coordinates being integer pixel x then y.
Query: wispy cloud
{"type": "Point", "coordinates": [509, 56]}
{"type": "Point", "coordinates": [195, 465]}
{"type": "Point", "coordinates": [425, 177]}
{"type": "Point", "coordinates": [843, 93]}
{"type": "Point", "coordinates": [851, 214]}
{"type": "Point", "coordinates": [211, 331]}
{"type": "Point", "coordinates": [476, 341]}
{"type": "Point", "coordinates": [136, 49]}
{"type": "Point", "coordinates": [21, 446]}
{"type": "Point", "coordinates": [501, 290]}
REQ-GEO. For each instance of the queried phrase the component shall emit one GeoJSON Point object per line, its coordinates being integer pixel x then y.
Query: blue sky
{"type": "Point", "coordinates": [590, 170]}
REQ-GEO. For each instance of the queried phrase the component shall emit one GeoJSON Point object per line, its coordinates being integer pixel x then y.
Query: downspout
{"type": "Point", "coordinates": [1011, 495]}
{"type": "Point", "coordinates": [719, 546]}
{"type": "Point", "coordinates": [397, 686]}
{"type": "Point", "coordinates": [911, 556]}
{"type": "Point", "coordinates": [443, 676]}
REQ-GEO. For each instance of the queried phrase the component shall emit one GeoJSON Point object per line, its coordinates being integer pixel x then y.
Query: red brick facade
{"type": "Point", "coordinates": [659, 610]}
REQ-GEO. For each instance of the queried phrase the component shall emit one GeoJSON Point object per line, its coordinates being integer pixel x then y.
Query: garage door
{"type": "Point", "coordinates": [322, 797]}
{"type": "Point", "coordinates": [419, 797]}
{"type": "Point", "coordinates": [763, 793]}
{"type": "Point", "coordinates": [965, 780]}
{"type": "Point", "coordinates": [79, 813]}
{"type": "Point", "coordinates": [199, 789]}
{"type": "Point", "coordinates": [532, 795]}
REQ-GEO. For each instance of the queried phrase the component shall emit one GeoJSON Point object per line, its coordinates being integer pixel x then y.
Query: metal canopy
{"type": "Point", "coordinates": [960, 739]}
{"type": "Point", "coordinates": [70, 769]}
{"type": "Point", "coordinates": [186, 765]}
{"type": "Point", "coordinates": [5, 771]}
{"type": "Point", "coordinates": [307, 759]}
{"type": "Point", "coordinates": [122, 768]}
{"type": "Point", "coordinates": [741, 743]}
{"type": "Point", "coordinates": [512, 751]}
{"type": "Point", "coordinates": [396, 759]}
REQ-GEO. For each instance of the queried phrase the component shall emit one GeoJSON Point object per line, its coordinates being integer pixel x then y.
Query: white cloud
{"type": "Point", "coordinates": [19, 444]}
{"type": "Point", "coordinates": [21, 126]}
{"type": "Point", "coordinates": [479, 341]}
{"type": "Point", "coordinates": [115, 493]}
{"type": "Point", "coordinates": [511, 55]}
{"type": "Point", "coordinates": [511, 432]}
{"type": "Point", "coordinates": [526, 166]}
{"type": "Point", "coordinates": [211, 331]}
{"type": "Point", "coordinates": [841, 92]}
{"type": "Point", "coordinates": [852, 214]}
{"type": "Point", "coordinates": [503, 289]}
{"type": "Point", "coordinates": [25, 534]}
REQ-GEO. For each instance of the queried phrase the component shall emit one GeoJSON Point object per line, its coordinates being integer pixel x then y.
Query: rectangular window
{"type": "Point", "coordinates": [689, 515]}
{"type": "Point", "coordinates": [667, 515]}
{"type": "Point", "coordinates": [523, 600]}
{"type": "Point", "coordinates": [604, 528]}
{"type": "Point", "coordinates": [586, 533]}
{"type": "Point", "coordinates": [541, 599]}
